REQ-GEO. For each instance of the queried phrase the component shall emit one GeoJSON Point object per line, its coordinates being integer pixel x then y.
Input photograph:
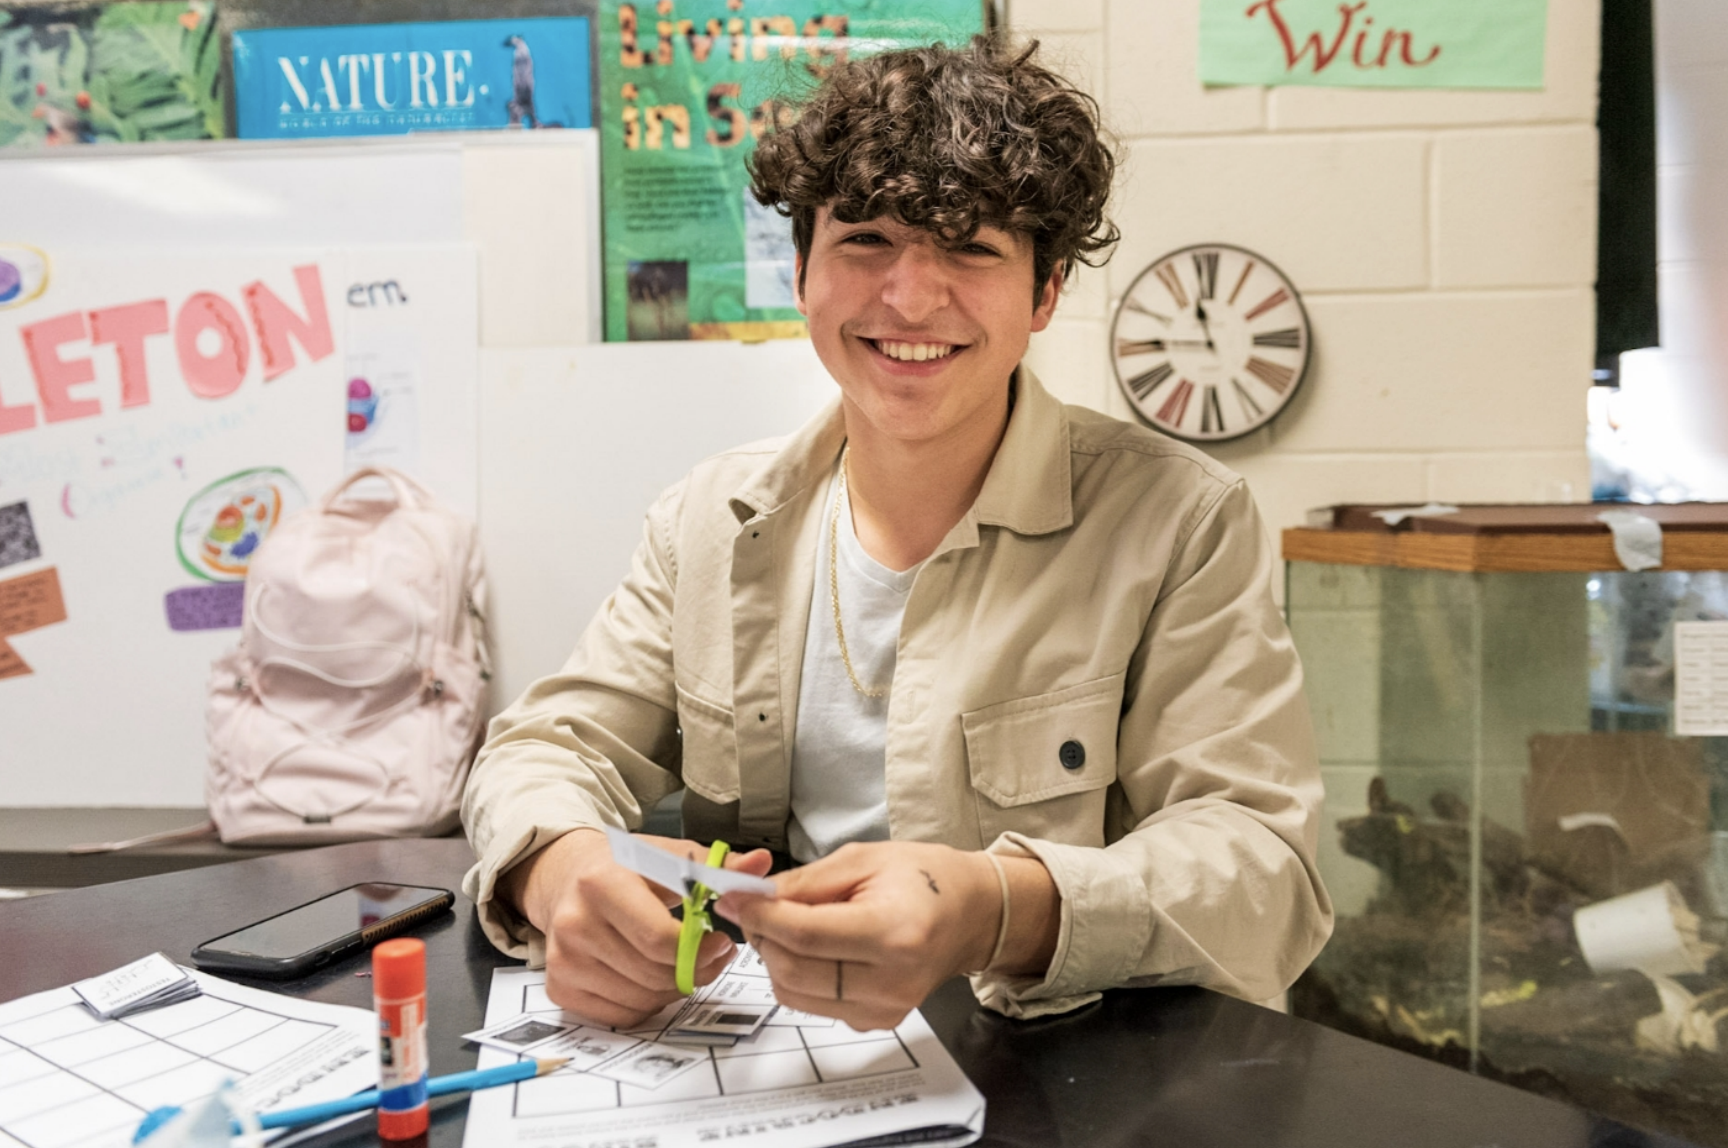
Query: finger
{"type": "Point", "coordinates": [590, 938]}
{"type": "Point", "coordinates": [815, 977]}
{"type": "Point", "coordinates": [850, 932]}
{"type": "Point", "coordinates": [835, 877]}
{"type": "Point", "coordinates": [756, 862]}
{"type": "Point", "coordinates": [689, 850]}
{"type": "Point", "coordinates": [715, 951]}
{"type": "Point", "coordinates": [592, 990]}
{"type": "Point", "coordinates": [635, 914]}
{"type": "Point", "coordinates": [862, 1017]}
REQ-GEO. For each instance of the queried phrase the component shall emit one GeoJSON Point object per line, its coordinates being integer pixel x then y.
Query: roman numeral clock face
{"type": "Point", "coordinates": [1210, 343]}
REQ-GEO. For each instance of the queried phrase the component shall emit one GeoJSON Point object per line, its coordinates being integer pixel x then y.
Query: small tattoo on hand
{"type": "Point", "coordinates": [931, 881]}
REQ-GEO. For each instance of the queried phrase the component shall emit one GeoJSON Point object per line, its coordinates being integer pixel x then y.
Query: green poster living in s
{"type": "Point", "coordinates": [686, 88]}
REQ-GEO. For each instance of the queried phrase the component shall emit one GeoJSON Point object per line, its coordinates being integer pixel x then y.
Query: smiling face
{"type": "Point", "coordinates": [922, 339]}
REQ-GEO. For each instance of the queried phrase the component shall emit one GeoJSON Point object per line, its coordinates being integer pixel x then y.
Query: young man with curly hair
{"type": "Point", "coordinates": [1005, 675]}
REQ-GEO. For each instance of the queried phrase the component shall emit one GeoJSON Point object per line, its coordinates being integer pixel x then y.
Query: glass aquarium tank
{"type": "Point", "coordinates": [1525, 750]}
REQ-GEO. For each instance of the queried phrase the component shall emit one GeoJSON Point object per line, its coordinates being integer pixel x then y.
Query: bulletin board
{"type": "Point", "coordinates": [158, 417]}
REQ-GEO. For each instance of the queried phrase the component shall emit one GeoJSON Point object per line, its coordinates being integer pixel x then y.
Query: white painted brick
{"type": "Point", "coordinates": [1336, 213]}
{"type": "Point", "coordinates": [1286, 486]}
{"type": "Point", "coordinates": [1573, 58]}
{"type": "Point", "coordinates": [1086, 295]}
{"type": "Point", "coordinates": [1068, 358]}
{"type": "Point", "coordinates": [1516, 208]}
{"type": "Point", "coordinates": [1035, 17]}
{"type": "Point", "coordinates": [1154, 61]}
{"type": "Point", "coordinates": [1078, 57]}
{"type": "Point", "coordinates": [1502, 476]}
{"type": "Point", "coordinates": [1493, 371]}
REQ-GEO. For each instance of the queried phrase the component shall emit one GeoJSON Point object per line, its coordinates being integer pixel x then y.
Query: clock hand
{"type": "Point", "coordinates": [1200, 313]}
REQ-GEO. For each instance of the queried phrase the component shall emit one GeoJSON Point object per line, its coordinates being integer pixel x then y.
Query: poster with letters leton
{"type": "Point", "coordinates": [160, 414]}
{"type": "Point", "coordinates": [686, 89]}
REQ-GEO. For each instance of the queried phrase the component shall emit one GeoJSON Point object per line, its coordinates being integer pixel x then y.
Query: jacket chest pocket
{"type": "Point", "coordinates": [1041, 765]}
{"type": "Point", "coordinates": [710, 758]}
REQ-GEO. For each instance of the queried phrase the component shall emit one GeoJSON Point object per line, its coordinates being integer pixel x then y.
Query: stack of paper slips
{"type": "Point", "coordinates": [720, 1023]}
{"type": "Point", "coordinates": [148, 983]}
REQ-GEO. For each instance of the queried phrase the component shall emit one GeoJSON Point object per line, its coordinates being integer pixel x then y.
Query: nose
{"type": "Point", "coordinates": [916, 286]}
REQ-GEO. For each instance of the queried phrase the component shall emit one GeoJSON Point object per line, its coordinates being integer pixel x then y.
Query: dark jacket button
{"type": "Point", "coordinates": [1072, 755]}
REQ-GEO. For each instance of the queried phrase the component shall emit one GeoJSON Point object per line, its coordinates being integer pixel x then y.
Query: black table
{"type": "Point", "coordinates": [1181, 1067]}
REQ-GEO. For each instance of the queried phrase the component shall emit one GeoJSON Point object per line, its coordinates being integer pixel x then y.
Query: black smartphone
{"type": "Point", "coordinates": [313, 935]}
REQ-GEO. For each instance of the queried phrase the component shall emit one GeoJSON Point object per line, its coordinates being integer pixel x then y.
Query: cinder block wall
{"type": "Point", "coordinates": [1444, 244]}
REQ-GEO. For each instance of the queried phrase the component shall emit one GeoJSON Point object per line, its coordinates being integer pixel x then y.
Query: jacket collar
{"type": "Point", "coordinates": [1030, 487]}
{"type": "Point", "coordinates": [1028, 490]}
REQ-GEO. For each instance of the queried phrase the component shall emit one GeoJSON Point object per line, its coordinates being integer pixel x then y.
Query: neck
{"type": "Point", "coordinates": [906, 497]}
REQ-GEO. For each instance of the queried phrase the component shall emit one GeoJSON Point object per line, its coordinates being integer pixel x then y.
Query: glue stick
{"type": "Point", "coordinates": [399, 992]}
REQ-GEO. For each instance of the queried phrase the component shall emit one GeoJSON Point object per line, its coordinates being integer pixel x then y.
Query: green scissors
{"type": "Point", "coordinates": [696, 921]}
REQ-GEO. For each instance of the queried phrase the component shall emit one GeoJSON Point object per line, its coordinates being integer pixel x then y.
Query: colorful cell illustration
{"type": "Point", "coordinates": [362, 406]}
{"type": "Point", "coordinates": [223, 525]}
{"type": "Point", "coordinates": [23, 274]}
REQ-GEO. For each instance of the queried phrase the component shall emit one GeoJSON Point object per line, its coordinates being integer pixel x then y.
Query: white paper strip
{"type": "Point", "coordinates": [676, 873]}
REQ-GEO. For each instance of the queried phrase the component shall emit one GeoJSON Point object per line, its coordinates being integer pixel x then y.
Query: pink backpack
{"type": "Point", "coordinates": [352, 706]}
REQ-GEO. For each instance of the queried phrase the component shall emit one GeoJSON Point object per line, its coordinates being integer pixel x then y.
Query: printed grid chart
{"type": "Point", "coordinates": [797, 1081]}
{"type": "Point", "coordinates": [69, 1080]}
{"type": "Point", "coordinates": [792, 1049]}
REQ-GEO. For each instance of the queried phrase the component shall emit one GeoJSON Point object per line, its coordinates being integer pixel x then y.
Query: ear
{"type": "Point", "coordinates": [798, 285]}
{"type": "Point", "coordinates": [1047, 300]}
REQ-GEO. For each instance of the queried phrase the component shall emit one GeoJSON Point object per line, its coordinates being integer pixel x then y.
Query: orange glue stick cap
{"type": "Point", "coordinates": [399, 969]}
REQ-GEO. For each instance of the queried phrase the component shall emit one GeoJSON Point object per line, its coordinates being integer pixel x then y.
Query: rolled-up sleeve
{"type": "Point", "coordinates": [1211, 877]}
{"type": "Point", "coordinates": [590, 746]}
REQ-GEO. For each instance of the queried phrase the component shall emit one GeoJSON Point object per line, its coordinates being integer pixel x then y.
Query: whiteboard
{"type": "Point", "coordinates": [576, 443]}
{"type": "Point", "coordinates": [137, 475]}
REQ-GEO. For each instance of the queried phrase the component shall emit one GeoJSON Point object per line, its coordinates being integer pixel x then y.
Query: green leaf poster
{"type": "Point", "coordinates": [1374, 43]}
{"type": "Point", "coordinates": [686, 88]}
{"type": "Point", "coordinates": [122, 72]}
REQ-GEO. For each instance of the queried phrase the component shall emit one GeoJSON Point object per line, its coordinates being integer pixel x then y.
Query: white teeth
{"type": "Point", "coordinates": [915, 352]}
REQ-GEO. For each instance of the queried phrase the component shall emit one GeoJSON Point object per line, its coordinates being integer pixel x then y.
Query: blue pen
{"type": "Point", "coordinates": [361, 1101]}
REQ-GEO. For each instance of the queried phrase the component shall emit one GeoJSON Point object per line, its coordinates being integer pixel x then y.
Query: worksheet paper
{"type": "Point", "coordinates": [68, 1080]}
{"type": "Point", "coordinates": [800, 1082]}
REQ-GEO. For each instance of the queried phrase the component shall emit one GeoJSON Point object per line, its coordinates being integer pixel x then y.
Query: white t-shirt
{"type": "Point", "coordinates": [839, 751]}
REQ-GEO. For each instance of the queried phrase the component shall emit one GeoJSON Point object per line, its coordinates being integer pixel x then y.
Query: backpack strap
{"type": "Point", "coordinates": [408, 493]}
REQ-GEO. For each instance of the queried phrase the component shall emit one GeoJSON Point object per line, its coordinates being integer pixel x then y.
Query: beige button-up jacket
{"type": "Point", "coordinates": [1091, 670]}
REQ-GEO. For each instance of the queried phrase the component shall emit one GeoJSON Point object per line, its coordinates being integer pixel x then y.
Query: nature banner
{"type": "Point", "coordinates": [389, 79]}
{"type": "Point", "coordinates": [1374, 43]}
{"type": "Point", "coordinates": [104, 73]}
{"type": "Point", "coordinates": [686, 89]}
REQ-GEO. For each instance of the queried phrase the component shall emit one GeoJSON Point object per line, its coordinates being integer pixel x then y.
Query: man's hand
{"type": "Point", "coordinates": [865, 934]}
{"type": "Point", "coordinates": [610, 943]}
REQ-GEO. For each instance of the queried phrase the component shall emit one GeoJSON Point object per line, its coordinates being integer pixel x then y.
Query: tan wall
{"type": "Point", "coordinates": [1444, 244]}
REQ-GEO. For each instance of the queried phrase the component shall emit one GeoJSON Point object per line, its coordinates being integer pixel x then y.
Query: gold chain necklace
{"type": "Point", "coordinates": [834, 584]}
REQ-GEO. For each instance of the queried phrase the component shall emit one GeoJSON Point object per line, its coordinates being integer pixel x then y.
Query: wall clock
{"type": "Point", "coordinates": [1210, 342]}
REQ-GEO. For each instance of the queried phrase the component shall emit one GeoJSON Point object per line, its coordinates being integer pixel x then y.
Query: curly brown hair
{"type": "Point", "coordinates": [948, 140]}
